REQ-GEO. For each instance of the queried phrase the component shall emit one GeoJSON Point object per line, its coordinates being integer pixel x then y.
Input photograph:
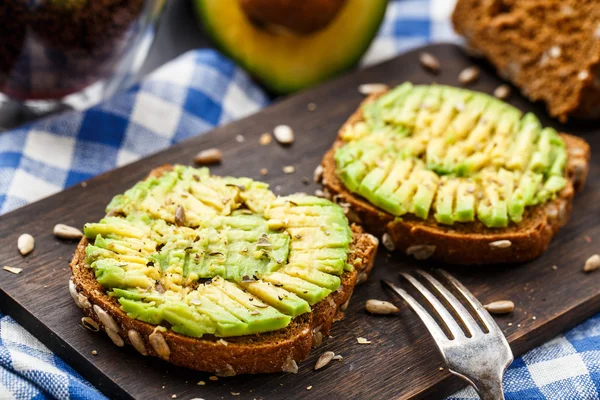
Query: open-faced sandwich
{"type": "Point", "coordinates": [217, 273]}
{"type": "Point", "coordinates": [455, 175]}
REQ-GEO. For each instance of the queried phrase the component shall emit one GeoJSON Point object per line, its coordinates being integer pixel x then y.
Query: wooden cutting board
{"type": "Point", "coordinates": [402, 361]}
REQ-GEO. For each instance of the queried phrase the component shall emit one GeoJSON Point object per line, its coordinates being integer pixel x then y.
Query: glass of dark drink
{"type": "Point", "coordinates": [74, 52]}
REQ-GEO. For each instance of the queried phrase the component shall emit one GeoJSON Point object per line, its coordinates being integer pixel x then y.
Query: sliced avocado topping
{"type": "Point", "coordinates": [218, 256]}
{"type": "Point", "coordinates": [451, 154]}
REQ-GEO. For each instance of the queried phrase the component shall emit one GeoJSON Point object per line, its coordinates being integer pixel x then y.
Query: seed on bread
{"type": "Point", "coordinates": [159, 344]}
{"type": "Point", "coordinates": [90, 324]}
{"type": "Point", "coordinates": [324, 359]}
{"type": "Point", "coordinates": [500, 307]}
{"type": "Point", "coordinates": [208, 156]}
{"type": "Point", "coordinates": [114, 336]}
{"type": "Point", "coordinates": [429, 62]}
{"type": "Point", "coordinates": [67, 232]}
{"type": "Point", "coordinates": [421, 251]}
{"type": "Point", "coordinates": [318, 174]}
{"type": "Point", "coordinates": [372, 88]}
{"type": "Point", "coordinates": [388, 242]}
{"type": "Point", "coordinates": [137, 342]}
{"type": "Point", "coordinates": [290, 366]}
{"type": "Point", "coordinates": [592, 263]}
{"type": "Point", "coordinates": [468, 75]}
{"type": "Point", "coordinates": [25, 244]}
{"type": "Point", "coordinates": [284, 134]}
{"type": "Point", "coordinates": [226, 372]}
{"type": "Point", "coordinates": [105, 318]}
{"type": "Point", "coordinates": [500, 244]}
{"type": "Point", "coordinates": [380, 307]}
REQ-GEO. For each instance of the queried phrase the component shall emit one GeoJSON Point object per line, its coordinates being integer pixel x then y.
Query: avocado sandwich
{"type": "Point", "coordinates": [455, 175]}
{"type": "Point", "coordinates": [218, 274]}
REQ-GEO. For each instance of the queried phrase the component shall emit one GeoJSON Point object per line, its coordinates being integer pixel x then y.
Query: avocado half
{"type": "Point", "coordinates": [201, 254]}
{"type": "Point", "coordinates": [285, 61]}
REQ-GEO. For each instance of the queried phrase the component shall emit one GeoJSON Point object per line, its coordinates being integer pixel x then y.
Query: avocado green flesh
{"type": "Point", "coordinates": [451, 154]}
{"type": "Point", "coordinates": [283, 60]}
{"type": "Point", "coordinates": [217, 256]}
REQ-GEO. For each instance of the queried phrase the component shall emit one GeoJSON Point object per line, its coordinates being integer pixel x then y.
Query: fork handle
{"type": "Point", "coordinates": [490, 389]}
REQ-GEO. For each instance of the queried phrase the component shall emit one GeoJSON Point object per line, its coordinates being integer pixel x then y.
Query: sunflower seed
{"type": "Point", "coordinates": [317, 338]}
{"type": "Point", "coordinates": [83, 301]}
{"type": "Point", "coordinates": [226, 372]}
{"type": "Point", "coordinates": [284, 134]}
{"type": "Point", "coordinates": [13, 270]}
{"type": "Point", "coordinates": [318, 174]}
{"type": "Point", "coordinates": [264, 171]}
{"type": "Point", "coordinates": [137, 342]}
{"type": "Point", "coordinates": [159, 344]}
{"type": "Point", "coordinates": [240, 138]}
{"type": "Point", "coordinates": [67, 232]}
{"type": "Point", "coordinates": [223, 342]}
{"type": "Point", "coordinates": [500, 307]}
{"type": "Point", "coordinates": [25, 243]}
{"type": "Point", "coordinates": [180, 216]}
{"type": "Point", "coordinates": [289, 169]}
{"type": "Point", "coordinates": [208, 156]}
{"type": "Point", "coordinates": [114, 336]}
{"type": "Point", "coordinates": [388, 242]}
{"type": "Point", "coordinates": [502, 92]}
{"type": "Point", "coordinates": [555, 51]}
{"type": "Point", "coordinates": [500, 244]}
{"type": "Point", "coordinates": [371, 88]}
{"type": "Point", "coordinates": [265, 139]}
{"type": "Point", "coordinates": [324, 359]}
{"type": "Point", "coordinates": [592, 263]}
{"type": "Point", "coordinates": [338, 357]}
{"type": "Point", "coordinates": [421, 251]}
{"type": "Point", "coordinates": [430, 62]}
{"type": "Point", "coordinates": [468, 75]}
{"type": "Point", "coordinates": [106, 320]}
{"type": "Point", "coordinates": [380, 307]}
{"type": "Point", "coordinates": [362, 340]}
{"type": "Point", "coordinates": [79, 298]}
{"type": "Point", "coordinates": [290, 366]}
{"type": "Point", "coordinates": [89, 323]}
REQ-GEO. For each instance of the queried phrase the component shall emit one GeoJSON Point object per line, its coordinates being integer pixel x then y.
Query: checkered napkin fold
{"type": "Point", "coordinates": [188, 96]}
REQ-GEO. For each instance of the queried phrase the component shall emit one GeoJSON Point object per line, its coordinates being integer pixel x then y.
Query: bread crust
{"type": "Point", "coordinates": [275, 351]}
{"type": "Point", "coordinates": [466, 243]}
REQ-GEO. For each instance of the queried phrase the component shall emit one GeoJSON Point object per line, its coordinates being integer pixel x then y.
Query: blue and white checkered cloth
{"type": "Point", "coordinates": [187, 97]}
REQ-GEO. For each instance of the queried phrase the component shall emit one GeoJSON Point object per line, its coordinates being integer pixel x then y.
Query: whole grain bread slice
{"type": "Point", "coordinates": [277, 351]}
{"type": "Point", "coordinates": [463, 243]}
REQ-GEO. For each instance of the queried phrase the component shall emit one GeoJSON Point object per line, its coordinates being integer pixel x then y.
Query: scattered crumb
{"type": "Point", "coordinates": [94, 352]}
{"type": "Point", "coordinates": [338, 357]}
{"type": "Point", "coordinates": [289, 169]}
{"type": "Point", "coordinates": [174, 396]}
{"type": "Point", "coordinates": [84, 184]}
{"type": "Point", "coordinates": [240, 138]}
{"type": "Point", "coordinates": [362, 340]}
{"type": "Point", "coordinates": [534, 318]}
{"type": "Point", "coordinates": [201, 383]}
{"type": "Point", "coordinates": [13, 270]}
{"type": "Point", "coordinates": [587, 238]}
{"type": "Point", "coordinates": [518, 325]}
{"type": "Point", "coordinates": [235, 393]}
{"type": "Point", "coordinates": [223, 342]}
{"type": "Point", "coordinates": [264, 171]}
{"type": "Point", "coordinates": [311, 106]}
{"type": "Point", "coordinates": [305, 180]}
{"type": "Point", "coordinates": [555, 267]}
{"type": "Point", "coordinates": [265, 139]}
{"type": "Point", "coordinates": [510, 324]}
{"type": "Point", "coordinates": [441, 368]}
{"type": "Point", "coordinates": [213, 378]}
{"type": "Point", "coordinates": [308, 387]}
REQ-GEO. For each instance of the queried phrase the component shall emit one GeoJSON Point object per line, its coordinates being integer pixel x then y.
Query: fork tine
{"type": "Point", "coordinates": [488, 321]}
{"type": "Point", "coordinates": [448, 319]}
{"type": "Point", "coordinates": [460, 310]}
{"type": "Point", "coordinates": [436, 332]}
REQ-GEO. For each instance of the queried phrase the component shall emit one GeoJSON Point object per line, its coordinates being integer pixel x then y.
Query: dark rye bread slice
{"type": "Point", "coordinates": [275, 351]}
{"type": "Point", "coordinates": [548, 48]}
{"type": "Point", "coordinates": [464, 243]}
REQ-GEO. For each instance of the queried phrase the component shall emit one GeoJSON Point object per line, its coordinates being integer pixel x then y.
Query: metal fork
{"type": "Point", "coordinates": [480, 359]}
